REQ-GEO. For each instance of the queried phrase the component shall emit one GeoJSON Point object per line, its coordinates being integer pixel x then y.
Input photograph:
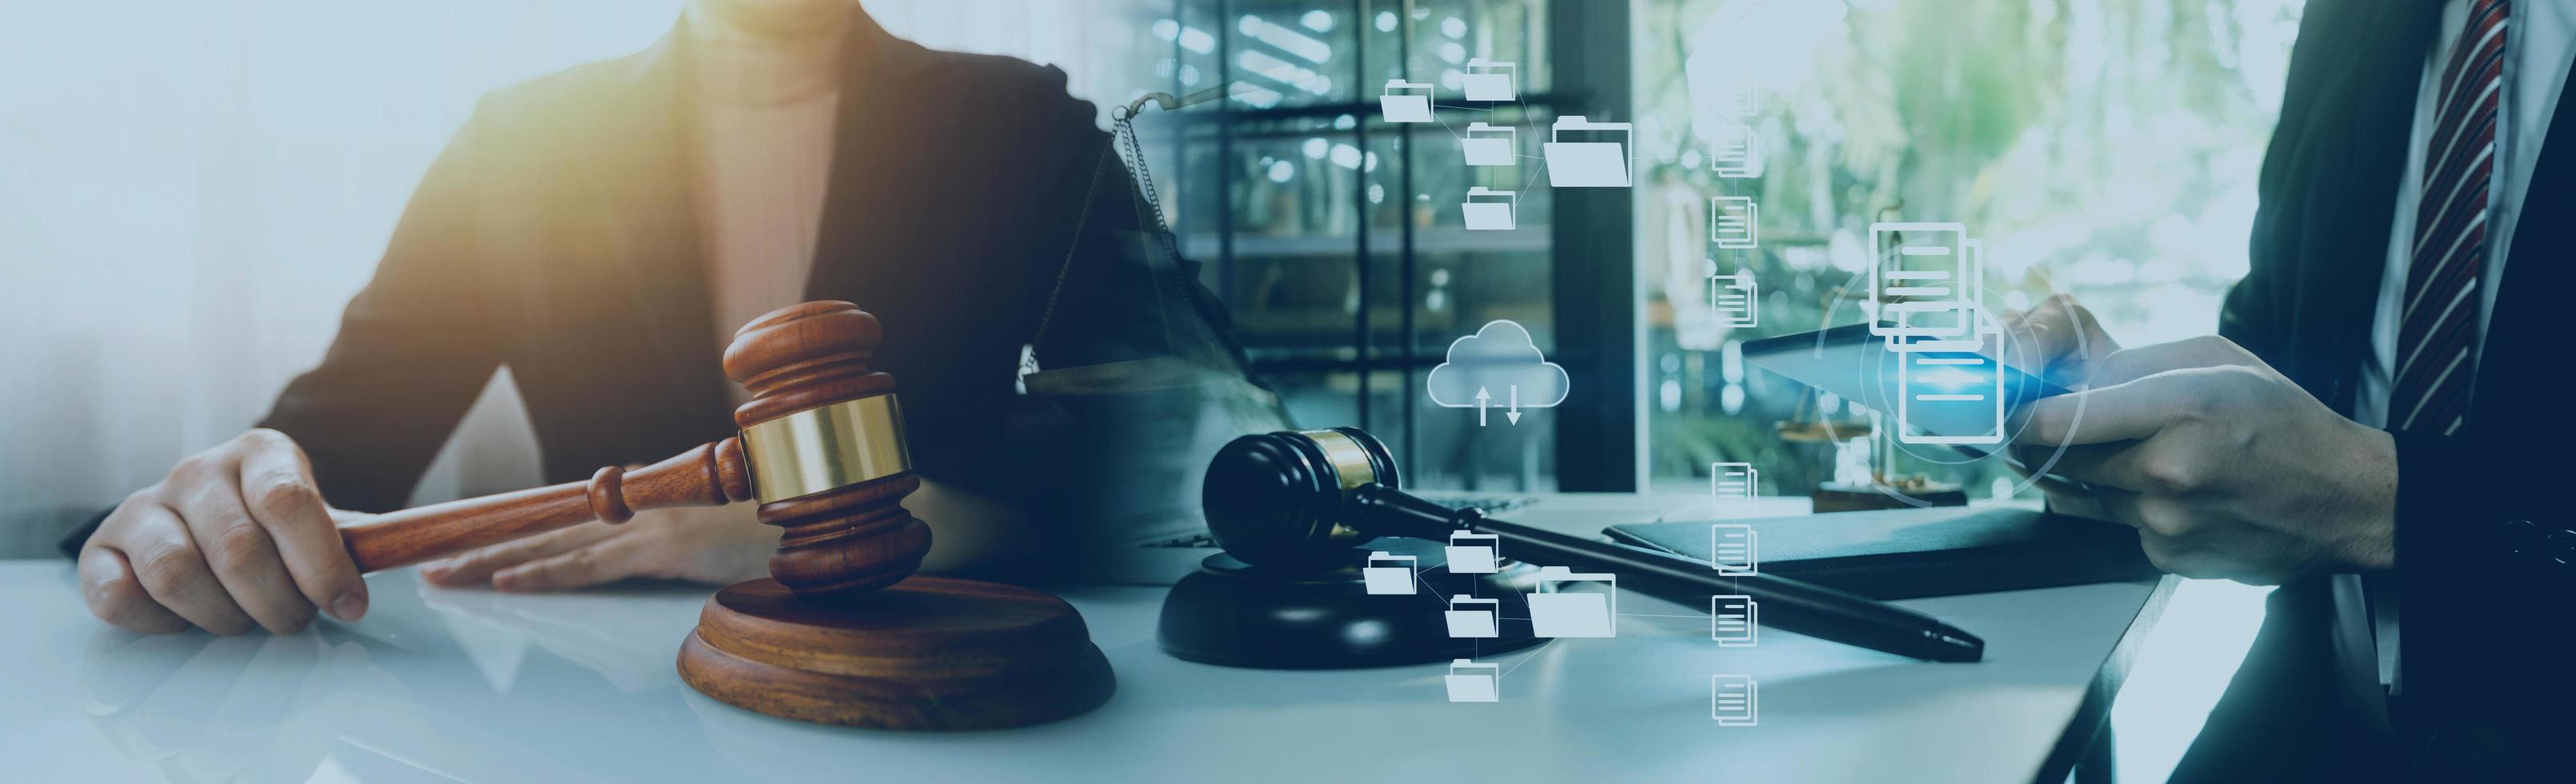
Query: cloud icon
{"type": "Point", "coordinates": [1500, 360]}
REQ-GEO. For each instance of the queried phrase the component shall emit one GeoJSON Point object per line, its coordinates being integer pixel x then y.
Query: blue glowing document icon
{"type": "Point", "coordinates": [1962, 390]}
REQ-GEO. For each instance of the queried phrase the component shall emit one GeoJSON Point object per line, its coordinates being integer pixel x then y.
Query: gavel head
{"type": "Point", "coordinates": [1279, 499]}
{"type": "Point", "coordinates": [824, 442]}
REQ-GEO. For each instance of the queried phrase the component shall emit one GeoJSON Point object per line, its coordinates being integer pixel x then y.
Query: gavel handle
{"type": "Point", "coordinates": [710, 475]}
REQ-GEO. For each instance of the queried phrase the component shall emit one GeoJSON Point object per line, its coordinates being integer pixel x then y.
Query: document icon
{"type": "Point", "coordinates": [1472, 617]}
{"type": "Point", "coordinates": [1733, 484]}
{"type": "Point", "coordinates": [1405, 102]}
{"type": "Point", "coordinates": [1737, 552]}
{"type": "Point", "coordinates": [1734, 621]}
{"type": "Point", "coordinates": [1472, 682]}
{"type": "Point", "coordinates": [1388, 574]}
{"type": "Point", "coordinates": [1733, 700]}
{"type": "Point", "coordinates": [1947, 397]}
{"type": "Point", "coordinates": [1487, 80]}
{"type": "Point", "coordinates": [1737, 299]}
{"type": "Point", "coordinates": [1488, 145]}
{"type": "Point", "coordinates": [1473, 553]}
{"type": "Point", "coordinates": [1554, 613]}
{"type": "Point", "coordinates": [1734, 222]}
{"type": "Point", "coordinates": [1587, 164]}
{"type": "Point", "coordinates": [1925, 277]}
{"type": "Point", "coordinates": [1489, 210]}
{"type": "Point", "coordinates": [1738, 153]}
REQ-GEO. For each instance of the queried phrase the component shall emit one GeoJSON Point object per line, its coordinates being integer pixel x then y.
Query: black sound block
{"type": "Point", "coordinates": [1239, 615]}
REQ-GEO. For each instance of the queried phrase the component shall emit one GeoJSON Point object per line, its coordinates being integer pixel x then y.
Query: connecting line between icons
{"type": "Point", "coordinates": [1534, 652]}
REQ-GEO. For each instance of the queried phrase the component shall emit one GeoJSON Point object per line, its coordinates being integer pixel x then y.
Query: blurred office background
{"type": "Point", "coordinates": [190, 191]}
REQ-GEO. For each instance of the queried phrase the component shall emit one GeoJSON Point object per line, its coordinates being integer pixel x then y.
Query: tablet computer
{"type": "Point", "coordinates": [1947, 392]}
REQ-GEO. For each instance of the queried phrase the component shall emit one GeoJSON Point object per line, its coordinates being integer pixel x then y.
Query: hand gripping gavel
{"type": "Point", "coordinates": [821, 449]}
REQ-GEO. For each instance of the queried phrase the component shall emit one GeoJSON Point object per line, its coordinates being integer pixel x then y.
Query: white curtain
{"type": "Point", "coordinates": [190, 190]}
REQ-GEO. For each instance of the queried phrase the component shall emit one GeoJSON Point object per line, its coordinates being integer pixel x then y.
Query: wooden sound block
{"type": "Point", "coordinates": [928, 653]}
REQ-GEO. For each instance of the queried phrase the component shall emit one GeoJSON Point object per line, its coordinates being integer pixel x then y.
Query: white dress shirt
{"type": "Point", "coordinates": [2538, 38]}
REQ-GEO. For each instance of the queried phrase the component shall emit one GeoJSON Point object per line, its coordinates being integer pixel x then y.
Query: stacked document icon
{"type": "Point", "coordinates": [1926, 278]}
{"type": "Point", "coordinates": [1469, 681]}
{"type": "Point", "coordinates": [1734, 621]}
{"type": "Point", "coordinates": [1733, 484]}
{"type": "Point", "coordinates": [1490, 210]}
{"type": "Point", "coordinates": [1554, 613]}
{"type": "Point", "coordinates": [1405, 102]}
{"type": "Point", "coordinates": [1487, 80]}
{"type": "Point", "coordinates": [1488, 145]}
{"type": "Point", "coordinates": [1388, 574]}
{"type": "Point", "coordinates": [1469, 616]}
{"type": "Point", "coordinates": [1737, 552]}
{"type": "Point", "coordinates": [1737, 299]}
{"type": "Point", "coordinates": [1734, 700]}
{"type": "Point", "coordinates": [1473, 553]}
{"type": "Point", "coordinates": [1738, 153]}
{"type": "Point", "coordinates": [1735, 222]}
{"type": "Point", "coordinates": [1585, 161]}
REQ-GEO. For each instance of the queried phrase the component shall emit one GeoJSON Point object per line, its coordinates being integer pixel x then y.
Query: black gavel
{"type": "Point", "coordinates": [1296, 499]}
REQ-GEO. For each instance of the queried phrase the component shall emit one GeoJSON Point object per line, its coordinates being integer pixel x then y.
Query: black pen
{"type": "Point", "coordinates": [1791, 605]}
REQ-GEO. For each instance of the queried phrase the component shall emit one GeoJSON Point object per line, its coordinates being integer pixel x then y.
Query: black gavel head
{"type": "Point", "coordinates": [1279, 499]}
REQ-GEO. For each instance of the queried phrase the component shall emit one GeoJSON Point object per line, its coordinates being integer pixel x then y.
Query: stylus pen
{"type": "Point", "coordinates": [1805, 608]}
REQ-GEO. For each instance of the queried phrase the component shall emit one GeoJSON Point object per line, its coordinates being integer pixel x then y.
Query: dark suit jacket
{"type": "Point", "coordinates": [556, 235]}
{"type": "Point", "coordinates": [2485, 530]}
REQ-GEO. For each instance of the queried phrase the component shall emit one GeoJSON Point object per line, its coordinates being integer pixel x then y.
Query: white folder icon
{"type": "Point", "coordinates": [1487, 80]}
{"type": "Point", "coordinates": [1388, 574]}
{"type": "Point", "coordinates": [1588, 164]}
{"type": "Point", "coordinates": [1473, 553]}
{"type": "Point", "coordinates": [1472, 682]}
{"type": "Point", "coordinates": [1406, 102]}
{"type": "Point", "coordinates": [1557, 614]}
{"type": "Point", "coordinates": [1488, 145]}
{"type": "Point", "coordinates": [1488, 209]}
{"type": "Point", "coordinates": [1472, 617]}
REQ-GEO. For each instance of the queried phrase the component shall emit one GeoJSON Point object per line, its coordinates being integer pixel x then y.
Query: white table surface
{"type": "Point", "coordinates": [470, 685]}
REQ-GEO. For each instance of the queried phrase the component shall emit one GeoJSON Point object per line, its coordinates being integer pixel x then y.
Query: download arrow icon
{"type": "Point", "coordinates": [1515, 413]}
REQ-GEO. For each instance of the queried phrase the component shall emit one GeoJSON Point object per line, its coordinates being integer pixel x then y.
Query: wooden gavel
{"type": "Point", "coordinates": [821, 449]}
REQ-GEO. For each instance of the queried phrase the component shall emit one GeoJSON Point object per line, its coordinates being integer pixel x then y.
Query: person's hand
{"type": "Point", "coordinates": [2060, 339]}
{"type": "Point", "coordinates": [718, 545]}
{"type": "Point", "coordinates": [235, 536]}
{"type": "Point", "coordinates": [2225, 467]}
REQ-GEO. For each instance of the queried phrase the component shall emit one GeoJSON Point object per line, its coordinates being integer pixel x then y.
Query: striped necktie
{"type": "Point", "coordinates": [2437, 331]}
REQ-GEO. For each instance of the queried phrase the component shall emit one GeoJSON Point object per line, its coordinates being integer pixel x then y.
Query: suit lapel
{"type": "Point", "coordinates": [854, 205]}
{"type": "Point", "coordinates": [642, 181]}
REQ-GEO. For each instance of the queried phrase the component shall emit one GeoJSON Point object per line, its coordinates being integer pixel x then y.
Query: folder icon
{"type": "Point", "coordinates": [1469, 616]}
{"type": "Point", "coordinates": [1473, 553]}
{"type": "Point", "coordinates": [1487, 80]}
{"type": "Point", "coordinates": [1388, 574]}
{"type": "Point", "coordinates": [1472, 682]}
{"type": "Point", "coordinates": [1488, 209]}
{"type": "Point", "coordinates": [1405, 102]}
{"type": "Point", "coordinates": [1488, 145]}
{"type": "Point", "coordinates": [1588, 164]}
{"type": "Point", "coordinates": [1557, 614]}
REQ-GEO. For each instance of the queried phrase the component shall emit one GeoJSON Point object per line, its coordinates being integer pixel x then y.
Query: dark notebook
{"type": "Point", "coordinates": [1905, 553]}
